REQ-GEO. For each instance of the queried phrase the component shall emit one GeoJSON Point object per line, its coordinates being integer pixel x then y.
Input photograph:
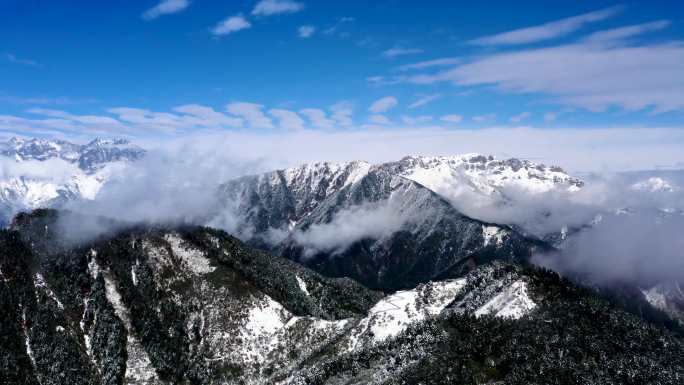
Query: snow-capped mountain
{"type": "Point", "coordinates": [482, 174]}
{"type": "Point", "coordinates": [300, 212]}
{"type": "Point", "coordinates": [195, 305]}
{"type": "Point", "coordinates": [48, 173]}
{"type": "Point", "coordinates": [88, 157]}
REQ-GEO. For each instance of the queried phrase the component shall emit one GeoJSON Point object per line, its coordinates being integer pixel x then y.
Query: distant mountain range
{"type": "Point", "coordinates": [91, 166]}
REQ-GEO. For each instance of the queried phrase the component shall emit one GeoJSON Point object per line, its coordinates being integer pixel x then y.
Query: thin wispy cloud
{"type": "Point", "coordinates": [57, 101]}
{"type": "Point", "coordinates": [306, 31]}
{"type": "Point", "coordinates": [399, 51]}
{"type": "Point", "coordinates": [12, 58]}
{"type": "Point", "coordinates": [231, 24]}
{"type": "Point", "coordinates": [595, 75]}
{"type": "Point", "coordinates": [520, 117]}
{"type": "Point", "coordinates": [453, 118]}
{"type": "Point", "coordinates": [424, 100]}
{"type": "Point", "coordinates": [416, 120]}
{"type": "Point", "coordinates": [484, 118]}
{"type": "Point", "coordinates": [622, 33]}
{"type": "Point", "coordinates": [166, 7]}
{"type": "Point", "coordinates": [379, 119]}
{"type": "Point", "coordinates": [275, 7]}
{"type": "Point", "coordinates": [383, 104]}
{"type": "Point", "coordinates": [335, 29]}
{"type": "Point", "coordinates": [447, 61]}
{"type": "Point", "coordinates": [547, 31]}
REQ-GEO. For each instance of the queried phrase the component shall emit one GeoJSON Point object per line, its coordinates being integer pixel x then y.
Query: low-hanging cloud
{"type": "Point", "coordinates": [369, 220]}
{"type": "Point", "coordinates": [644, 247]}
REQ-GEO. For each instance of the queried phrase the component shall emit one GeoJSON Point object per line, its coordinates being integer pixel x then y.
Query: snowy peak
{"type": "Point", "coordinates": [325, 178]}
{"type": "Point", "coordinates": [483, 173]}
{"type": "Point", "coordinates": [99, 152]}
{"type": "Point", "coordinates": [39, 149]}
{"type": "Point", "coordinates": [89, 157]}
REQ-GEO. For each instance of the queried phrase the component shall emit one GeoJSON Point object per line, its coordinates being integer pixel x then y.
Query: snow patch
{"type": "Point", "coordinates": [302, 285]}
{"type": "Point", "coordinates": [134, 277]}
{"type": "Point", "coordinates": [656, 298]}
{"type": "Point", "coordinates": [394, 313]}
{"type": "Point", "coordinates": [139, 368]}
{"type": "Point", "coordinates": [259, 334]}
{"type": "Point", "coordinates": [39, 282]}
{"type": "Point", "coordinates": [492, 233]}
{"type": "Point", "coordinates": [513, 302]}
{"type": "Point", "coordinates": [197, 262]}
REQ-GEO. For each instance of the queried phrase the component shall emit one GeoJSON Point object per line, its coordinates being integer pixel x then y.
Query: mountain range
{"type": "Point", "coordinates": [74, 172]}
{"type": "Point", "coordinates": [163, 305]}
{"type": "Point", "coordinates": [328, 273]}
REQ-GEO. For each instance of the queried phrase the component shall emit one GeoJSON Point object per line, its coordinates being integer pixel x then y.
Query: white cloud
{"type": "Point", "coordinates": [252, 113]}
{"type": "Point", "coordinates": [305, 31]}
{"type": "Point", "coordinates": [230, 25]}
{"type": "Point", "coordinates": [453, 118]}
{"type": "Point", "coordinates": [335, 29]}
{"type": "Point", "coordinates": [447, 61]}
{"type": "Point", "coordinates": [416, 121]}
{"type": "Point", "coordinates": [275, 7]}
{"type": "Point", "coordinates": [588, 75]}
{"type": "Point", "coordinates": [575, 149]}
{"type": "Point", "coordinates": [379, 119]}
{"type": "Point", "coordinates": [399, 51]}
{"type": "Point", "coordinates": [26, 62]}
{"type": "Point", "coordinates": [372, 220]}
{"type": "Point", "coordinates": [550, 116]}
{"type": "Point", "coordinates": [423, 100]}
{"type": "Point", "coordinates": [289, 120]}
{"type": "Point", "coordinates": [342, 113]}
{"type": "Point", "coordinates": [622, 33]}
{"type": "Point", "coordinates": [484, 118]}
{"type": "Point", "coordinates": [547, 31]}
{"type": "Point", "coordinates": [165, 7]}
{"type": "Point", "coordinates": [198, 115]}
{"type": "Point", "coordinates": [383, 104]}
{"type": "Point", "coordinates": [520, 117]}
{"type": "Point", "coordinates": [384, 81]}
{"type": "Point", "coordinates": [317, 118]}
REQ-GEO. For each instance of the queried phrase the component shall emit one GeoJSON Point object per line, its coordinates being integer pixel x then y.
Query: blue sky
{"type": "Point", "coordinates": [152, 69]}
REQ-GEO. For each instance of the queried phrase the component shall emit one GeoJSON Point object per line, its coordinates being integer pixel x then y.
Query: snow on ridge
{"type": "Point", "coordinates": [39, 282]}
{"type": "Point", "coordinates": [27, 343]}
{"type": "Point", "coordinates": [302, 285]}
{"type": "Point", "coordinates": [513, 302]}
{"type": "Point", "coordinates": [260, 332]}
{"type": "Point", "coordinates": [195, 259]}
{"type": "Point", "coordinates": [492, 233]}
{"type": "Point", "coordinates": [485, 174]}
{"type": "Point", "coordinates": [394, 313]}
{"type": "Point", "coordinates": [338, 175]}
{"type": "Point", "coordinates": [656, 298]}
{"type": "Point", "coordinates": [139, 367]}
